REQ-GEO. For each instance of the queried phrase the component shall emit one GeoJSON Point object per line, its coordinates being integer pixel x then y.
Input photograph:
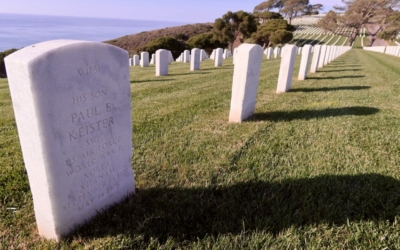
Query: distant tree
{"type": "Point", "coordinates": [168, 43]}
{"type": "Point", "coordinates": [357, 14]}
{"type": "Point", "coordinates": [233, 25]}
{"type": "Point", "coordinates": [274, 32]}
{"type": "Point", "coordinates": [289, 8]}
{"type": "Point", "coordinates": [391, 27]}
{"type": "Point", "coordinates": [205, 41]}
{"type": "Point", "coordinates": [3, 73]}
{"type": "Point", "coordinates": [264, 16]}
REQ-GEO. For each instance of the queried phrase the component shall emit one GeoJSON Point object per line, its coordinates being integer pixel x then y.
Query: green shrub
{"type": "Point", "coordinates": [205, 41]}
{"type": "Point", "coordinates": [168, 43]}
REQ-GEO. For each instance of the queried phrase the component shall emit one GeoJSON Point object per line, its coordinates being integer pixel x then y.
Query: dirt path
{"type": "Point", "coordinates": [372, 28]}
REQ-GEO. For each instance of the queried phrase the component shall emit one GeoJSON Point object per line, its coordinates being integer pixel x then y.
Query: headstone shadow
{"type": "Point", "coordinates": [305, 114]}
{"type": "Point", "coordinates": [339, 70]}
{"type": "Point", "coordinates": [154, 80]}
{"type": "Point", "coordinates": [334, 77]}
{"type": "Point", "coordinates": [191, 213]}
{"type": "Point", "coordinates": [325, 89]}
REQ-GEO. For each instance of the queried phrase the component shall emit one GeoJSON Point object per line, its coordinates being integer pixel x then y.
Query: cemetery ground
{"type": "Point", "coordinates": [317, 167]}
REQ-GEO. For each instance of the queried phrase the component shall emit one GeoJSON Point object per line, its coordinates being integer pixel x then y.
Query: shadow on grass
{"type": "Point", "coordinates": [187, 214]}
{"type": "Point", "coordinates": [226, 67]}
{"type": "Point", "coordinates": [338, 70]}
{"type": "Point", "coordinates": [342, 65]}
{"type": "Point", "coordinates": [311, 114]}
{"type": "Point", "coordinates": [329, 89]}
{"type": "Point", "coordinates": [333, 77]}
{"type": "Point", "coordinates": [191, 73]}
{"type": "Point", "coordinates": [154, 80]}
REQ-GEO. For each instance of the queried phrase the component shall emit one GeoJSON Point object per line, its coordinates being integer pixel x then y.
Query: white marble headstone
{"type": "Point", "coordinates": [305, 59]}
{"type": "Point", "coordinates": [218, 57]}
{"type": "Point", "coordinates": [195, 60]}
{"type": "Point", "coordinates": [286, 68]}
{"type": "Point", "coordinates": [135, 60]}
{"type": "Point", "coordinates": [144, 59]}
{"type": "Point", "coordinates": [72, 106]}
{"type": "Point", "coordinates": [245, 81]}
{"type": "Point", "coordinates": [186, 56]}
{"type": "Point", "coordinates": [162, 62]}
{"type": "Point", "coordinates": [315, 59]}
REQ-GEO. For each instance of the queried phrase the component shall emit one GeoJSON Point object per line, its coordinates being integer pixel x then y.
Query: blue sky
{"type": "Point", "coordinates": [166, 10]}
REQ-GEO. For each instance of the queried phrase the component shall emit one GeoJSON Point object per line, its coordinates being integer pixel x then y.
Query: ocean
{"type": "Point", "coordinates": [18, 31]}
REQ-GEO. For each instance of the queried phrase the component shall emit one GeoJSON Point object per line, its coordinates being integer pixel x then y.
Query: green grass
{"type": "Point", "coordinates": [316, 168]}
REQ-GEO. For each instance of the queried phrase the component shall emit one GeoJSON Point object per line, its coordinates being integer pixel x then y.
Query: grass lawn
{"type": "Point", "coordinates": [317, 167]}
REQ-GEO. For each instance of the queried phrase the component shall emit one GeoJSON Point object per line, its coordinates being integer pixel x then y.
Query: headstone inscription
{"type": "Point", "coordinates": [71, 101]}
{"type": "Point", "coordinates": [245, 81]}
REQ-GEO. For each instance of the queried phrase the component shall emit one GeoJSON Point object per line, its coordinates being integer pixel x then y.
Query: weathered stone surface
{"type": "Point", "coordinates": [245, 81]}
{"type": "Point", "coordinates": [72, 106]}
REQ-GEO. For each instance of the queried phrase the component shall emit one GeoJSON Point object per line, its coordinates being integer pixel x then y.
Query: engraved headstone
{"type": "Point", "coordinates": [72, 107]}
{"type": "Point", "coordinates": [195, 62]}
{"type": "Point", "coordinates": [162, 62]}
{"type": "Point", "coordinates": [245, 81]}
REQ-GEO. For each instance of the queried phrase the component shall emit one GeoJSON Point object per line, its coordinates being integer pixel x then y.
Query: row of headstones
{"type": "Point", "coordinates": [389, 50]}
{"type": "Point", "coordinates": [186, 55]}
{"type": "Point", "coordinates": [248, 63]}
{"type": "Point", "coordinates": [84, 165]}
{"type": "Point", "coordinates": [143, 60]}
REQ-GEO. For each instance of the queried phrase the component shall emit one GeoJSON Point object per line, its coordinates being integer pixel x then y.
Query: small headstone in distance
{"type": "Point", "coordinates": [135, 60]}
{"type": "Point", "coordinates": [218, 57]}
{"type": "Point", "coordinates": [144, 59]}
{"type": "Point", "coordinates": [186, 56]}
{"type": "Point", "coordinates": [72, 106]}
